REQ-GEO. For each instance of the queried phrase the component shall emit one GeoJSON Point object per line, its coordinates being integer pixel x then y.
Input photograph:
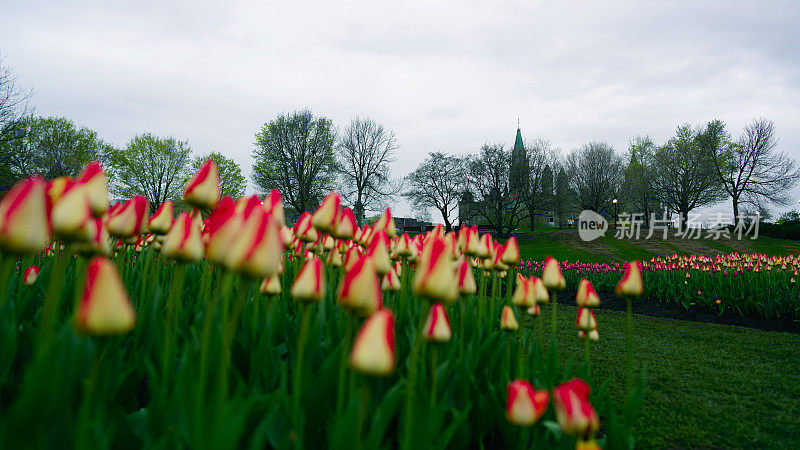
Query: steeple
{"type": "Point", "coordinates": [518, 145]}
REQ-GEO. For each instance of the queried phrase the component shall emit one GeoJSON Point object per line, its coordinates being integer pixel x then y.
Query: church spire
{"type": "Point", "coordinates": [518, 142]}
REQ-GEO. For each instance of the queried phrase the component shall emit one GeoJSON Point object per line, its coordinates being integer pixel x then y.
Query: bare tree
{"type": "Point", "coordinates": [437, 183]}
{"type": "Point", "coordinates": [496, 203]}
{"type": "Point", "coordinates": [750, 170]}
{"type": "Point", "coordinates": [638, 190]}
{"type": "Point", "coordinates": [686, 178]}
{"type": "Point", "coordinates": [540, 160]}
{"type": "Point", "coordinates": [294, 154]}
{"type": "Point", "coordinates": [13, 102]}
{"type": "Point", "coordinates": [365, 152]}
{"type": "Point", "coordinates": [595, 173]}
{"type": "Point", "coordinates": [151, 166]}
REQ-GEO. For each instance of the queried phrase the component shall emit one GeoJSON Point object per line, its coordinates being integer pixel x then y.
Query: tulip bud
{"type": "Point", "coordinates": [385, 223]}
{"type": "Point", "coordinates": [402, 247]}
{"type": "Point", "coordinates": [24, 222]}
{"type": "Point", "coordinates": [361, 288]}
{"type": "Point", "coordinates": [99, 242]}
{"type": "Point", "coordinates": [435, 277]}
{"type": "Point", "coordinates": [366, 235]}
{"type": "Point", "coordinates": [390, 282]}
{"type": "Point", "coordinates": [128, 219]}
{"type": "Point", "coordinates": [373, 348]}
{"type": "Point", "coordinates": [466, 280]}
{"type": "Point", "coordinates": [379, 251]}
{"type": "Point", "coordinates": [221, 230]}
{"type": "Point", "coordinates": [162, 219]}
{"type": "Point", "coordinates": [70, 213]}
{"type": "Point", "coordinates": [523, 294]}
{"type": "Point", "coordinates": [507, 319]}
{"type": "Point", "coordinates": [539, 291]}
{"type": "Point", "coordinates": [511, 252]}
{"type": "Point", "coordinates": [257, 249]}
{"type": "Point", "coordinates": [533, 310]}
{"type": "Point", "coordinates": [104, 308]}
{"type": "Point", "coordinates": [631, 284]}
{"type": "Point", "coordinates": [246, 205]}
{"type": "Point", "coordinates": [437, 325]}
{"type": "Point", "coordinates": [203, 189]}
{"type": "Point", "coordinates": [334, 257]}
{"type": "Point", "coordinates": [525, 406]}
{"type": "Point", "coordinates": [57, 186]}
{"type": "Point", "coordinates": [575, 414]}
{"type": "Point", "coordinates": [304, 230]}
{"type": "Point", "coordinates": [271, 285]}
{"type": "Point", "coordinates": [30, 275]}
{"type": "Point", "coordinates": [587, 297]}
{"type": "Point", "coordinates": [273, 204]}
{"type": "Point", "coordinates": [94, 181]}
{"type": "Point", "coordinates": [324, 218]}
{"type": "Point", "coordinates": [346, 225]}
{"type": "Point", "coordinates": [485, 247]}
{"type": "Point", "coordinates": [594, 335]}
{"type": "Point", "coordinates": [586, 320]}
{"type": "Point", "coordinates": [352, 255]}
{"type": "Point", "coordinates": [309, 285]}
{"type": "Point", "coordinates": [551, 275]}
{"type": "Point", "coordinates": [183, 241]}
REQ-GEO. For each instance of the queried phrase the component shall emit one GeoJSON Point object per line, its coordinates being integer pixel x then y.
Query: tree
{"type": "Point", "coordinates": [562, 197]}
{"type": "Point", "coordinates": [488, 174]}
{"type": "Point", "coordinates": [750, 170]}
{"type": "Point", "coordinates": [539, 156]}
{"type": "Point", "coordinates": [638, 190]}
{"type": "Point", "coordinates": [437, 183]}
{"type": "Point", "coordinates": [294, 154]}
{"type": "Point", "coordinates": [155, 167]}
{"type": "Point", "coordinates": [49, 146]}
{"type": "Point", "coordinates": [686, 178]}
{"type": "Point", "coordinates": [231, 181]}
{"type": "Point", "coordinates": [365, 152]}
{"type": "Point", "coordinates": [595, 173]}
{"type": "Point", "coordinates": [547, 191]}
{"type": "Point", "coordinates": [13, 103]}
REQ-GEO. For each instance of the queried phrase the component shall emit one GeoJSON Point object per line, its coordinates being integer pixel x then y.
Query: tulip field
{"type": "Point", "coordinates": [222, 327]}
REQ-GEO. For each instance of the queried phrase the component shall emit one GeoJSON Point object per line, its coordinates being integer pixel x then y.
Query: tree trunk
{"type": "Point", "coordinates": [735, 210]}
{"type": "Point", "coordinates": [533, 218]}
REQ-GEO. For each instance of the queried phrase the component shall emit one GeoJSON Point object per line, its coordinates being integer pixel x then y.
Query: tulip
{"type": "Point", "coordinates": [586, 320]}
{"type": "Point", "coordinates": [128, 219]}
{"type": "Point", "coordinates": [94, 181]}
{"type": "Point", "coordinates": [203, 189]}
{"type": "Point", "coordinates": [366, 235]}
{"type": "Point", "coordinates": [631, 284]}
{"type": "Point", "coordinates": [360, 290]}
{"type": "Point", "coordinates": [309, 285]}
{"type": "Point", "coordinates": [373, 348]}
{"type": "Point", "coordinates": [24, 222]}
{"type": "Point", "coordinates": [183, 241]}
{"type": "Point", "coordinates": [402, 247]}
{"type": "Point", "coordinates": [334, 257]}
{"type": "Point", "coordinates": [99, 242]}
{"type": "Point", "coordinates": [104, 308]}
{"type": "Point", "coordinates": [437, 325]}
{"type": "Point", "coordinates": [524, 405]}
{"type": "Point", "coordinates": [273, 204]}
{"type": "Point", "coordinates": [385, 223]}
{"type": "Point", "coordinates": [523, 294]}
{"type": "Point", "coordinates": [346, 225]}
{"type": "Point", "coordinates": [257, 249]}
{"type": "Point", "coordinates": [533, 310]}
{"type": "Point", "coordinates": [594, 335]}
{"type": "Point", "coordinates": [551, 275]}
{"type": "Point", "coordinates": [469, 240]}
{"type": "Point", "coordinates": [246, 205]}
{"type": "Point", "coordinates": [575, 414]}
{"type": "Point", "coordinates": [71, 212]}
{"type": "Point", "coordinates": [162, 219]}
{"type": "Point", "coordinates": [587, 297]}
{"type": "Point", "coordinates": [539, 291]}
{"type": "Point", "coordinates": [466, 279]}
{"type": "Point", "coordinates": [390, 282]}
{"type": "Point", "coordinates": [324, 218]}
{"type": "Point", "coordinates": [221, 230]}
{"type": "Point", "coordinates": [379, 251]}
{"type": "Point", "coordinates": [507, 319]}
{"type": "Point", "coordinates": [485, 247]}
{"type": "Point", "coordinates": [57, 186]}
{"type": "Point", "coordinates": [435, 277]}
{"type": "Point", "coordinates": [511, 252]}
{"type": "Point", "coordinates": [30, 275]}
{"type": "Point", "coordinates": [304, 230]}
{"type": "Point", "coordinates": [271, 285]}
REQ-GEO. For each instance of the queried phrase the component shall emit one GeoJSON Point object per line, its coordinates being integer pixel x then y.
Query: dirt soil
{"type": "Point", "coordinates": [675, 311]}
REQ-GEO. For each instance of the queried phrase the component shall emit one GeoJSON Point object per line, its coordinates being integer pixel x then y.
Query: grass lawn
{"type": "Point", "coordinates": [707, 385]}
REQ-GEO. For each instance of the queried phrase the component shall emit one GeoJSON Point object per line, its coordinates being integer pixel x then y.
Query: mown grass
{"type": "Point", "coordinates": [707, 385]}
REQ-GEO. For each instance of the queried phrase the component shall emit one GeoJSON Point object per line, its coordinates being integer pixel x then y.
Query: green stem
{"type": "Point", "coordinates": [89, 385]}
{"type": "Point", "coordinates": [628, 345]}
{"type": "Point", "coordinates": [7, 263]}
{"type": "Point", "coordinates": [52, 301]}
{"type": "Point", "coordinates": [297, 386]}
{"type": "Point", "coordinates": [205, 338]}
{"type": "Point", "coordinates": [587, 344]}
{"type": "Point", "coordinates": [554, 303]}
{"type": "Point", "coordinates": [521, 351]}
{"type": "Point", "coordinates": [434, 370]}
{"type": "Point", "coordinates": [411, 387]}
{"type": "Point", "coordinates": [340, 390]}
{"type": "Point", "coordinates": [172, 317]}
{"type": "Point", "coordinates": [507, 364]}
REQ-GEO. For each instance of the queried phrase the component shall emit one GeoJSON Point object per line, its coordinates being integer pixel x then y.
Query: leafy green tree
{"type": "Point", "coordinates": [638, 189]}
{"type": "Point", "coordinates": [294, 154]}
{"type": "Point", "coordinates": [232, 182]}
{"type": "Point", "coordinates": [49, 146]}
{"type": "Point", "coordinates": [153, 166]}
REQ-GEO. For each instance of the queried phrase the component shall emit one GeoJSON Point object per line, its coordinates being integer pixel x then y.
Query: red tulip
{"type": "Point", "coordinates": [525, 405]}
{"type": "Point", "coordinates": [373, 349]}
{"type": "Point", "coordinates": [183, 241]}
{"type": "Point", "coordinates": [390, 281]}
{"type": "Point", "coordinates": [379, 251]}
{"type": "Point", "coordinates": [94, 181]}
{"type": "Point", "coordinates": [71, 212]}
{"type": "Point", "coordinates": [586, 320]}
{"type": "Point", "coordinates": [361, 288]}
{"type": "Point", "coordinates": [128, 219]}
{"type": "Point", "coordinates": [24, 222]}
{"type": "Point", "coordinates": [162, 219]}
{"type": "Point", "coordinates": [507, 319]}
{"type": "Point", "coordinates": [435, 277]}
{"type": "Point", "coordinates": [203, 189]}
{"type": "Point", "coordinates": [587, 297]}
{"type": "Point", "coordinates": [385, 223]}
{"type": "Point", "coordinates": [221, 230]}
{"type": "Point", "coordinates": [551, 275]}
{"type": "Point", "coordinates": [257, 250]}
{"type": "Point", "coordinates": [511, 252]}
{"type": "Point", "coordinates": [324, 218]}
{"type": "Point", "coordinates": [104, 307]}
{"type": "Point", "coordinates": [271, 285]}
{"type": "Point", "coordinates": [466, 280]}
{"type": "Point", "coordinates": [523, 294]}
{"type": "Point", "coordinates": [575, 414]}
{"type": "Point", "coordinates": [309, 285]}
{"type": "Point", "coordinates": [273, 204]}
{"type": "Point", "coordinates": [346, 225]}
{"type": "Point", "coordinates": [304, 230]}
{"type": "Point", "coordinates": [30, 275]}
{"type": "Point", "coordinates": [99, 242]}
{"type": "Point", "coordinates": [437, 325]}
{"type": "Point", "coordinates": [631, 284]}
{"type": "Point", "coordinates": [539, 291]}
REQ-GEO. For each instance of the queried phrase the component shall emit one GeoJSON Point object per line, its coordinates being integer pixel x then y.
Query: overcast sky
{"type": "Point", "coordinates": [445, 76]}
